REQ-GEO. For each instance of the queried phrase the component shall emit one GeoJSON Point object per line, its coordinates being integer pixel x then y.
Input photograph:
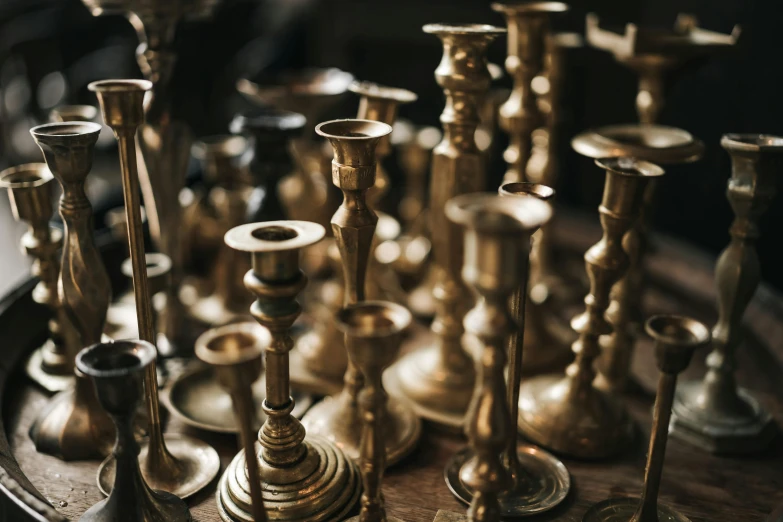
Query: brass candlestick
{"type": "Point", "coordinates": [353, 225]}
{"type": "Point", "coordinates": [676, 338]}
{"type": "Point", "coordinates": [715, 414]}
{"type": "Point", "coordinates": [374, 331]}
{"type": "Point", "coordinates": [655, 53]}
{"type": "Point", "coordinates": [663, 146]}
{"type": "Point", "coordinates": [380, 103]}
{"type": "Point", "coordinates": [495, 475]}
{"type": "Point", "coordinates": [568, 414]}
{"type": "Point", "coordinates": [30, 194]}
{"type": "Point", "coordinates": [72, 425]}
{"type": "Point", "coordinates": [438, 380]}
{"type": "Point", "coordinates": [234, 352]}
{"type": "Point", "coordinates": [304, 477]}
{"type": "Point", "coordinates": [528, 24]}
{"type": "Point", "coordinates": [118, 370]}
{"type": "Point", "coordinates": [189, 464]}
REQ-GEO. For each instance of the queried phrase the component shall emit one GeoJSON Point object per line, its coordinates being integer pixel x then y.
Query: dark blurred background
{"type": "Point", "coordinates": [51, 49]}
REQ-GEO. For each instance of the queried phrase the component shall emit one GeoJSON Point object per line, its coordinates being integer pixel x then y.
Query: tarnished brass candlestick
{"type": "Point", "coordinates": [304, 477]}
{"type": "Point", "coordinates": [30, 194]}
{"type": "Point", "coordinates": [568, 414]}
{"type": "Point", "coordinates": [118, 370]}
{"type": "Point", "coordinates": [676, 338]}
{"type": "Point", "coordinates": [714, 413]}
{"type": "Point", "coordinates": [72, 425]}
{"type": "Point", "coordinates": [528, 25]}
{"type": "Point", "coordinates": [380, 103]}
{"type": "Point", "coordinates": [189, 464]}
{"type": "Point", "coordinates": [495, 475]}
{"type": "Point", "coordinates": [353, 225]}
{"type": "Point", "coordinates": [374, 331]}
{"type": "Point", "coordinates": [438, 380]}
{"type": "Point", "coordinates": [235, 352]}
{"type": "Point", "coordinates": [654, 53]}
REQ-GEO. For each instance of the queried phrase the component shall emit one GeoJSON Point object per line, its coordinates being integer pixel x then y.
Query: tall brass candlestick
{"type": "Point", "coordinates": [191, 464]}
{"type": "Point", "coordinates": [715, 413]}
{"type": "Point", "coordinates": [676, 338]}
{"type": "Point", "coordinates": [72, 425]}
{"type": "Point", "coordinates": [30, 193]}
{"type": "Point", "coordinates": [374, 330]}
{"type": "Point", "coordinates": [568, 414]}
{"type": "Point", "coordinates": [438, 380]}
{"type": "Point", "coordinates": [304, 477]}
{"type": "Point", "coordinates": [353, 225]}
{"type": "Point", "coordinates": [528, 24]}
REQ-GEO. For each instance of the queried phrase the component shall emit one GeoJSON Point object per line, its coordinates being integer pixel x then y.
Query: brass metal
{"type": "Point", "coordinates": [528, 25]}
{"type": "Point", "coordinates": [235, 352]}
{"type": "Point", "coordinates": [72, 426]}
{"type": "Point", "coordinates": [353, 225]}
{"type": "Point", "coordinates": [380, 103]}
{"type": "Point", "coordinates": [449, 516]}
{"type": "Point", "coordinates": [655, 53]}
{"type": "Point", "coordinates": [195, 464]}
{"type": "Point", "coordinates": [374, 332]}
{"type": "Point", "coordinates": [676, 338]}
{"type": "Point", "coordinates": [305, 478]}
{"type": "Point", "coordinates": [498, 477]}
{"type": "Point", "coordinates": [118, 370]}
{"type": "Point", "coordinates": [30, 194]}
{"type": "Point", "coordinates": [660, 145]}
{"type": "Point", "coordinates": [65, 113]}
{"type": "Point", "coordinates": [714, 413]}
{"type": "Point", "coordinates": [568, 414]}
{"type": "Point", "coordinates": [438, 380]}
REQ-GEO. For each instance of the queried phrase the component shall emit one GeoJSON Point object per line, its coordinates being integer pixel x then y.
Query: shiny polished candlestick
{"type": "Point", "coordinates": [438, 380]}
{"type": "Point", "coordinates": [715, 414]}
{"type": "Point", "coordinates": [495, 475]}
{"type": "Point", "coordinates": [568, 414]}
{"type": "Point", "coordinates": [30, 194]}
{"type": "Point", "coordinates": [353, 225]}
{"type": "Point", "coordinates": [304, 477]}
{"type": "Point", "coordinates": [72, 426]}
{"type": "Point", "coordinates": [676, 338]}
{"type": "Point", "coordinates": [374, 330]}
{"type": "Point", "coordinates": [235, 351]}
{"type": "Point", "coordinates": [528, 24]}
{"type": "Point", "coordinates": [118, 370]}
{"type": "Point", "coordinates": [192, 464]}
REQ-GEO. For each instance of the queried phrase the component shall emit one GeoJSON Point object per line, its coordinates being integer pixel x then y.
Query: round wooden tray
{"type": "Point", "coordinates": [702, 486]}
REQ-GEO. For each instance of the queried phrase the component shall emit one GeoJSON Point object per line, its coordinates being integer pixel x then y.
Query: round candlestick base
{"type": "Point", "coordinates": [623, 510]}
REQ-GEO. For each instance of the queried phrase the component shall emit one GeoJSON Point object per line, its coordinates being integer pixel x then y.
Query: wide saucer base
{"type": "Point", "coordinates": [200, 461]}
{"type": "Point", "coordinates": [622, 509]}
{"type": "Point", "coordinates": [548, 485]}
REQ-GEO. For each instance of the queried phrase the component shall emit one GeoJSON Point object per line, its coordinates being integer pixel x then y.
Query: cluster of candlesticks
{"type": "Point", "coordinates": [276, 204]}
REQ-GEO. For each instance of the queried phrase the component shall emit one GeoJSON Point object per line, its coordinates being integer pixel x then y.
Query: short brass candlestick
{"type": "Point", "coordinates": [438, 380]}
{"type": "Point", "coordinates": [353, 225]}
{"type": "Point", "coordinates": [568, 414]}
{"type": "Point", "coordinates": [495, 475]}
{"type": "Point", "coordinates": [189, 464]}
{"type": "Point", "coordinates": [118, 370]}
{"type": "Point", "coordinates": [715, 414]}
{"type": "Point", "coordinates": [304, 477]}
{"type": "Point", "coordinates": [676, 338]}
{"type": "Point", "coordinates": [380, 103]}
{"type": "Point", "coordinates": [235, 351]}
{"type": "Point", "coordinates": [72, 425]}
{"type": "Point", "coordinates": [374, 330]}
{"type": "Point", "coordinates": [528, 25]}
{"type": "Point", "coordinates": [30, 193]}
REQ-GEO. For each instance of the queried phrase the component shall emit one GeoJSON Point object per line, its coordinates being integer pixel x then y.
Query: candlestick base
{"type": "Point", "coordinates": [449, 516]}
{"type": "Point", "coordinates": [547, 484]}
{"type": "Point", "coordinates": [49, 381]}
{"type": "Point", "coordinates": [587, 424]}
{"type": "Point", "coordinates": [736, 426]}
{"type": "Point", "coordinates": [623, 510]}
